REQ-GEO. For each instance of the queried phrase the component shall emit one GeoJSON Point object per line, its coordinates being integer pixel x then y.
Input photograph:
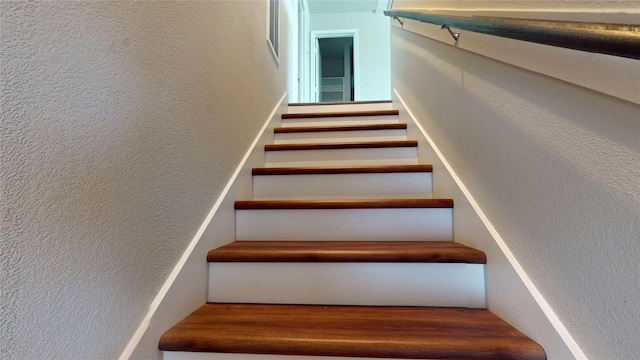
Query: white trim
{"type": "Point", "coordinates": [273, 52]}
{"type": "Point", "coordinates": [303, 56]}
{"type": "Point", "coordinates": [324, 34]}
{"type": "Point", "coordinates": [571, 344]}
{"type": "Point", "coordinates": [144, 325]}
{"type": "Point", "coordinates": [275, 48]}
{"type": "Point", "coordinates": [389, 4]}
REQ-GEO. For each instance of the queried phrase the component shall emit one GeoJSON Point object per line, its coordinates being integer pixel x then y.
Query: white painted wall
{"type": "Point", "coordinates": [373, 36]}
{"type": "Point", "coordinates": [121, 124]}
{"type": "Point", "coordinates": [556, 169]}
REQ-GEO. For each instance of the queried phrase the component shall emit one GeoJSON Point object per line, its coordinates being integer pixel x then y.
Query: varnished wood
{"type": "Point", "coordinates": [305, 129]}
{"type": "Point", "coordinates": [340, 114]}
{"type": "Point", "coordinates": [375, 169]}
{"type": "Point", "coordinates": [347, 251]}
{"type": "Point", "coordinates": [342, 204]}
{"type": "Point", "coordinates": [602, 38]}
{"type": "Point", "coordinates": [364, 331]}
{"type": "Point", "coordinates": [343, 103]}
{"type": "Point", "coordinates": [344, 145]}
{"type": "Point", "coordinates": [349, 331]}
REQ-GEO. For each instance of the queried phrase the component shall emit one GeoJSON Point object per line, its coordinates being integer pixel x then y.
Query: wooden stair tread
{"type": "Point", "coordinates": [334, 114]}
{"type": "Point", "coordinates": [304, 129]}
{"type": "Point", "coordinates": [347, 251]}
{"type": "Point", "coordinates": [342, 204]}
{"type": "Point", "coordinates": [375, 169]}
{"type": "Point", "coordinates": [351, 331]}
{"type": "Point", "coordinates": [342, 145]}
{"type": "Point", "coordinates": [343, 103]}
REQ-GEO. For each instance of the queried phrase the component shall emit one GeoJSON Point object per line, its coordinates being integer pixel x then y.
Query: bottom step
{"type": "Point", "coordinates": [350, 331]}
{"type": "Point", "coordinates": [182, 355]}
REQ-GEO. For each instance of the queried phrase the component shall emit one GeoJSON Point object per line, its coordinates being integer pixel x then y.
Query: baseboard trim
{"type": "Point", "coordinates": [533, 292]}
{"type": "Point", "coordinates": [136, 340]}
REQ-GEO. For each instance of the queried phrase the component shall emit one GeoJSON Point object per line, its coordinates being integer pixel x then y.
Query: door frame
{"type": "Point", "coordinates": [303, 52]}
{"type": "Point", "coordinates": [314, 70]}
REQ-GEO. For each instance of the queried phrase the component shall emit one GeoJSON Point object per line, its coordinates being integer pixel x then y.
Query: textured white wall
{"type": "Point", "coordinates": [373, 35]}
{"type": "Point", "coordinates": [121, 124]}
{"type": "Point", "coordinates": [554, 166]}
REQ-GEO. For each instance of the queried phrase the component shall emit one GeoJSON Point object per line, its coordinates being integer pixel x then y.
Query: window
{"type": "Point", "coordinates": [274, 26]}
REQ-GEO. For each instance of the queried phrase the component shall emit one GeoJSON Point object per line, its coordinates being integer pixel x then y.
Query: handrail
{"type": "Point", "coordinates": [612, 39]}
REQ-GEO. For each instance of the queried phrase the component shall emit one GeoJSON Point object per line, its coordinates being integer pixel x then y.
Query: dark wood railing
{"type": "Point", "coordinates": [612, 39]}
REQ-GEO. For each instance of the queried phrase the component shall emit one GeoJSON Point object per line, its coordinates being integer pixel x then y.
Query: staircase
{"type": "Point", "coordinates": [344, 252]}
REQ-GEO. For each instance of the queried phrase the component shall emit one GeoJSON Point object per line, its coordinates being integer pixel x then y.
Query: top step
{"type": "Point", "coordinates": [335, 114]}
{"type": "Point", "coordinates": [370, 102]}
{"type": "Point", "coordinates": [340, 106]}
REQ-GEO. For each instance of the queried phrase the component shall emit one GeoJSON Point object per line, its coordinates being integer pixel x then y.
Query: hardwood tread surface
{"type": "Point", "coordinates": [342, 145]}
{"type": "Point", "coordinates": [342, 103]}
{"type": "Point", "coordinates": [375, 169]}
{"type": "Point", "coordinates": [350, 331]}
{"type": "Point", "coordinates": [347, 251]}
{"type": "Point", "coordinates": [304, 129]}
{"type": "Point", "coordinates": [342, 204]}
{"type": "Point", "coordinates": [333, 114]}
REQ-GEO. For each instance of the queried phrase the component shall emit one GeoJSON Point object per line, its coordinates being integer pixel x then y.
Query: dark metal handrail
{"type": "Point", "coordinates": [612, 39]}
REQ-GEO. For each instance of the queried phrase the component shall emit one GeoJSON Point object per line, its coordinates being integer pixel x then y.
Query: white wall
{"type": "Point", "coordinates": [554, 166]}
{"type": "Point", "coordinates": [121, 124]}
{"type": "Point", "coordinates": [373, 36]}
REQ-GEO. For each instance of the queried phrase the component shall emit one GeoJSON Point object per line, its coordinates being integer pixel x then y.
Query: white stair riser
{"type": "Point", "coordinates": [343, 186]}
{"type": "Point", "coordinates": [340, 136]}
{"type": "Point", "coordinates": [376, 284]}
{"type": "Point", "coordinates": [342, 157]}
{"type": "Point", "coordinates": [335, 108]}
{"type": "Point", "coordinates": [347, 120]}
{"type": "Point", "coordinates": [179, 355]}
{"type": "Point", "coordinates": [345, 224]}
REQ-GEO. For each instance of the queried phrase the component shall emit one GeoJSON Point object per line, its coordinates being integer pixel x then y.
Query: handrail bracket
{"type": "Point", "coordinates": [603, 38]}
{"type": "Point", "coordinates": [454, 35]}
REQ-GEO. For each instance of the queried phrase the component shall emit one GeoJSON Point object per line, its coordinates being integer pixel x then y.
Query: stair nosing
{"type": "Point", "coordinates": [341, 145]}
{"type": "Point", "coordinates": [344, 204]}
{"type": "Point", "coordinates": [365, 102]}
{"type": "Point", "coordinates": [334, 114]}
{"type": "Point", "coordinates": [374, 169]}
{"type": "Point", "coordinates": [410, 332]}
{"type": "Point", "coordinates": [366, 127]}
{"type": "Point", "coordinates": [347, 251]}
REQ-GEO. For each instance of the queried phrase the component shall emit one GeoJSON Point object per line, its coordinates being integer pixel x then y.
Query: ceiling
{"type": "Point", "coordinates": [342, 6]}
